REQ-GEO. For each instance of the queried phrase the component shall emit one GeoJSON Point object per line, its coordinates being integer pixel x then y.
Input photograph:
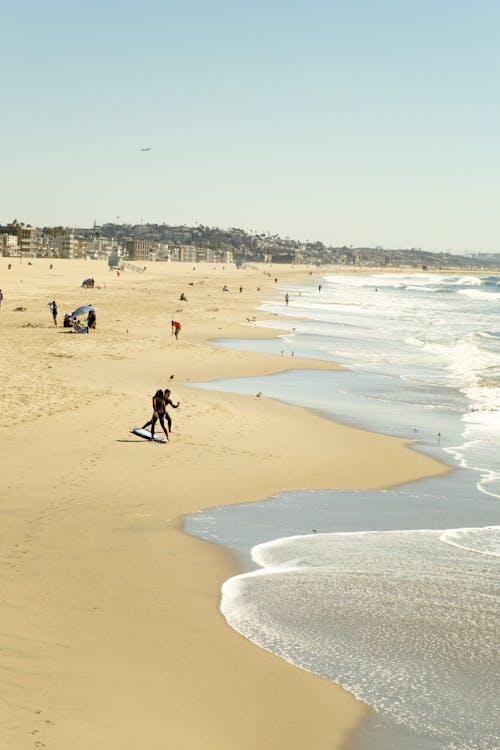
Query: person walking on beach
{"type": "Point", "coordinates": [158, 414]}
{"type": "Point", "coordinates": [53, 310]}
{"type": "Point", "coordinates": [168, 402]}
{"type": "Point", "coordinates": [286, 299]}
{"type": "Point", "coordinates": [176, 328]}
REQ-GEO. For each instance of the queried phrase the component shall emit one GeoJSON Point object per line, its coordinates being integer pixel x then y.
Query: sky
{"type": "Point", "coordinates": [352, 122]}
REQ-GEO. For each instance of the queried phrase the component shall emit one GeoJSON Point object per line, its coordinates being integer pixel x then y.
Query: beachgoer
{"type": "Point", "coordinates": [286, 299]}
{"type": "Point", "coordinates": [78, 327]}
{"type": "Point", "coordinates": [183, 297]}
{"type": "Point", "coordinates": [241, 288]}
{"type": "Point", "coordinates": [175, 328]}
{"type": "Point", "coordinates": [53, 310]}
{"type": "Point", "coordinates": [67, 321]}
{"type": "Point", "coordinates": [168, 402]}
{"type": "Point", "coordinates": [224, 288]}
{"type": "Point", "coordinates": [1, 297]}
{"type": "Point", "coordinates": [91, 319]}
{"type": "Point", "coordinates": [158, 414]}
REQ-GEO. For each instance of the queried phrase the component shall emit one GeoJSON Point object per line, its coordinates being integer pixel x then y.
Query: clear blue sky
{"type": "Point", "coordinates": [363, 122]}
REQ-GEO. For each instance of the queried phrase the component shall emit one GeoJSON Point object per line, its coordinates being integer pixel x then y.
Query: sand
{"type": "Point", "coordinates": [111, 630]}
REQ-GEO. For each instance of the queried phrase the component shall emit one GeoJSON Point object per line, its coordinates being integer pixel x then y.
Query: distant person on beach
{"type": "Point", "coordinates": [286, 299]}
{"type": "Point", "coordinates": [158, 414]}
{"type": "Point", "coordinates": [183, 298]}
{"type": "Point", "coordinates": [53, 310]}
{"type": "Point", "coordinates": [91, 319]}
{"type": "Point", "coordinates": [67, 321]}
{"type": "Point", "coordinates": [175, 328]}
{"type": "Point", "coordinates": [1, 297]}
{"type": "Point", "coordinates": [168, 402]}
{"type": "Point", "coordinates": [78, 327]}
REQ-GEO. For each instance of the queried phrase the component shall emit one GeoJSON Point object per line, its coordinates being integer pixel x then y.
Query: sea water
{"type": "Point", "coordinates": [392, 594]}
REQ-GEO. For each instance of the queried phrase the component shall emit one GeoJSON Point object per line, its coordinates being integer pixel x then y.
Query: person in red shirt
{"type": "Point", "coordinates": [176, 328]}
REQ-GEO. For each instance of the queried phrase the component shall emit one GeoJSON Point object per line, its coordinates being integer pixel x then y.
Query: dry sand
{"type": "Point", "coordinates": [111, 631]}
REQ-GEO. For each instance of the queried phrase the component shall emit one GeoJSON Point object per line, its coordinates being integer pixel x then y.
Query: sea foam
{"type": "Point", "coordinates": [403, 619]}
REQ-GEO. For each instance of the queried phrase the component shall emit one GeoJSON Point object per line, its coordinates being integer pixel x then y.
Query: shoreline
{"type": "Point", "coordinates": [113, 607]}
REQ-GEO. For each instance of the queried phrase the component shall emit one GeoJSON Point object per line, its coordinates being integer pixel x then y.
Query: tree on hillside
{"type": "Point", "coordinates": [53, 231]}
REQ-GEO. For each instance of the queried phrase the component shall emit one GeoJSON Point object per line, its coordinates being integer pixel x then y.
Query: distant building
{"type": "Point", "coordinates": [100, 247]}
{"type": "Point", "coordinates": [188, 254]}
{"type": "Point", "coordinates": [67, 245]}
{"type": "Point", "coordinates": [283, 258]}
{"type": "Point", "coordinates": [145, 249]}
{"type": "Point", "coordinates": [25, 242]}
{"type": "Point", "coordinates": [8, 244]}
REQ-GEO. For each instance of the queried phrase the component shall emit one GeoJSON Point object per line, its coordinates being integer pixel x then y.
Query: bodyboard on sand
{"type": "Point", "coordinates": [147, 435]}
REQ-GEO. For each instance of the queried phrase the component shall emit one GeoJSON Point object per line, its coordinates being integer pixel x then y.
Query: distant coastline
{"type": "Point", "coordinates": [163, 242]}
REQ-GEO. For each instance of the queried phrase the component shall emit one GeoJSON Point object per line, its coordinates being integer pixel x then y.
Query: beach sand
{"type": "Point", "coordinates": [111, 630]}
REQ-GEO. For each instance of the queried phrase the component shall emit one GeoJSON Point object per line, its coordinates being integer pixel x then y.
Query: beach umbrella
{"type": "Point", "coordinates": [82, 310]}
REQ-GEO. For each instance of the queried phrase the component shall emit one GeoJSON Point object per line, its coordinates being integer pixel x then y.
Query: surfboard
{"type": "Point", "coordinates": [147, 435]}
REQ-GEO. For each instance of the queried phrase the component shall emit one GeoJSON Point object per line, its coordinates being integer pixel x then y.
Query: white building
{"type": "Point", "coordinates": [9, 244]}
{"type": "Point", "coordinates": [66, 245]}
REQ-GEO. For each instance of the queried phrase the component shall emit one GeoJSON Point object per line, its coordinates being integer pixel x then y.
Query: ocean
{"type": "Point", "coordinates": [392, 594]}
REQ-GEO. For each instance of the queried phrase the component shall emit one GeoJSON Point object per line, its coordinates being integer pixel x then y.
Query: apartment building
{"type": "Point", "coordinates": [25, 242]}
{"type": "Point", "coordinates": [67, 245]}
{"type": "Point", "coordinates": [8, 244]}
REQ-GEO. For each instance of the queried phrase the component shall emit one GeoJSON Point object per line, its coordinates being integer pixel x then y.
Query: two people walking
{"type": "Point", "coordinates": [161, 400]}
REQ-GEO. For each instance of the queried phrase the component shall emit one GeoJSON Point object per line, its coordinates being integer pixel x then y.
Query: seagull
{"type": "Point", "coordinates": [147, 149]}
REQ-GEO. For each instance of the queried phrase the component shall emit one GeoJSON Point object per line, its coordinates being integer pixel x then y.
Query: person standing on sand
{"type": "Point", "coordinates": [168, 402]}
{"type": "Point", "coordinates": [158, 414]}
{"type": "Point", "coordinates": [53, 310]}
{"type": "Point", "coordinates": [286, 299]}
{"type": "Point", "coordinates": [1, 297]}
{"type": "Point", "coordinates": [176, 328]}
